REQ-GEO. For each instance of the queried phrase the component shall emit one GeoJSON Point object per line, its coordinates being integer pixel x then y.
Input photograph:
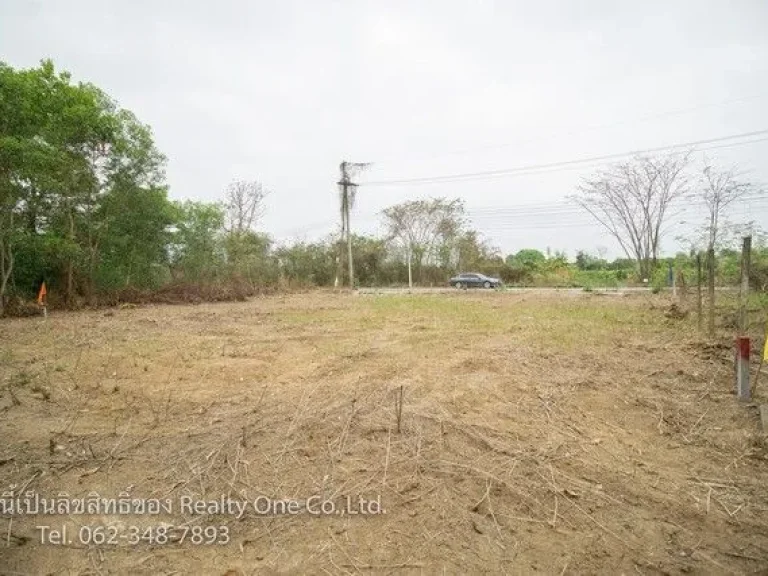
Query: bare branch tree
{"type": "Point", "coordinates": [718, 190]}
{"type": "Point", "coordinates": [244, 204]}
{"type": "Point", "coordinates": [631, 201]}
{"type": "Point", "coordinates": [419, 226]}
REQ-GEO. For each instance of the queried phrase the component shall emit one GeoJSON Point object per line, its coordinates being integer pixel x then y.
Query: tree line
{"type": "Point", "coordinates": [84, 207]}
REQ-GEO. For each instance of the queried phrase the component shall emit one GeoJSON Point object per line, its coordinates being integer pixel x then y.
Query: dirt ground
{"type": "Point", "coordinates": [559, 434]}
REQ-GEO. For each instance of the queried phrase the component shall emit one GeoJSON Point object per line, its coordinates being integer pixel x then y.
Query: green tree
{"type": "Point", "coordinates": [34, 161]}
{"type": "Point", "coordinates": [196, 247]}
{"type": "Point", "coordinates": [369, 259]}
{"type": "Point", "coordinates": [309, 264]}
{"type": "Point", "coordinates": [529, 259]}
{"type": "Point", "coordinates": [474, 253]}
{"type": "Point", "coordinates": [134, 252]}
{"type": "Point", "coordinates": [65, 150]}
{"type": "Point", "coordinates": [586, 261]}
{"type": "Point", "coordinates": [249, 257]}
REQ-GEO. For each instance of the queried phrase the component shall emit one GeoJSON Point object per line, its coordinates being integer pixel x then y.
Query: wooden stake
{"type": "Point", "coordinates": [711, 291]}
{"type": "Point", "coordinates": [746, 250]}
{"type": "Point", "coordinates": [674, 280]}
{"type": "Point", "coordinates": [698, 292]}
{"type": "Point", "coordinates": [399, 405]}
{"type": "Point", "coordinates": [762, 358]}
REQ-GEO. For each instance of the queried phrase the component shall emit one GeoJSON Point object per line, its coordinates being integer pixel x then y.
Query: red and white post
{"type": "Point", "coordinates": [742, 369]}
{"type": "Point", "coordinates": [742, 340]}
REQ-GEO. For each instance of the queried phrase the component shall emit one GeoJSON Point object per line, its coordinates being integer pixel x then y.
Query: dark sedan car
{"type": "Point", "coordinates": [472, 280]}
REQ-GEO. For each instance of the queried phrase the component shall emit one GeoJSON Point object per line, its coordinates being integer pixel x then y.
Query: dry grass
{"type": "Point", "coordinates": [560, 434]}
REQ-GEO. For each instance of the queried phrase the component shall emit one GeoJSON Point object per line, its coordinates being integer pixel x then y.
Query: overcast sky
{"type": "Point", "coordinates": [283, 91]}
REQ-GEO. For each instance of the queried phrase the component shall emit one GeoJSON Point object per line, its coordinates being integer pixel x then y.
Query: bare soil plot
{"type": "Point", "coordinates": [577, 434]}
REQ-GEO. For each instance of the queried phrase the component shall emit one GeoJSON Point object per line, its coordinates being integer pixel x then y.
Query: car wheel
{"type": "Point", "coordinates": [458, 285]}
{"type": "Point", "coordinates": [487, 284]}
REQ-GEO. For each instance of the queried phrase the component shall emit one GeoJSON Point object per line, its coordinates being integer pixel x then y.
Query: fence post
{"type": "Point", "coordinates": [711, 291]}
{"type": "Point", "coordinates": [742, 340]}
{"type": "Point", "coordinates": [698, 291]}
{"type": "Point", "coordinates": [746, 250]}
{"type": "Point", "coordinates": [674, 281]}
{"type": "Point", "coordinates": [742, 369]}
{"type": "Point", "coordinates": [682, 285]}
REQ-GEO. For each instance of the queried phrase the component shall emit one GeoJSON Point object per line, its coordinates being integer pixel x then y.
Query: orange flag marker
{"type": "Point", "coordinates": [41, 295]}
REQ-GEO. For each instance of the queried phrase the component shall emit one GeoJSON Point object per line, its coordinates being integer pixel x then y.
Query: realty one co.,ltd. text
{"type": "Point", "coordinates": [32, 504]}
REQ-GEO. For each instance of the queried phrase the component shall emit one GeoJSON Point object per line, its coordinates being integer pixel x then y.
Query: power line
{"type": "Point", "coordinates": [566, 164]}
{"type": "Point", "coordinates": [576, 218]}
{"type": "Point", "coordinates": [557, 215]}
{"type": "Point", "coordinates": [584, 129]}
{"type": "Point", "coordinates": [555, 211]}
{"type": "Point", "coordinates": [580, 214]}
{"type": "Point", "coordinates": [568, 205]}
{"type": "Point", "coordinates": [527, 225]}
{"type": "Point", "coordinates": [558, 166]}
{"type": "Point", "coordinates": [564, 207]}
{"type": "Point", "coordinates": [685, 212]}
{"type": "Point", "coordinates": [557, 202]}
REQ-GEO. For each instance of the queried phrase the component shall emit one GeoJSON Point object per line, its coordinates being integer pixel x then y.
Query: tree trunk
{"type": "Point", "coordinates": [70, 264]}
{"type": "Point", "coordinates": [337, 279]}
{"type": "Point", "coordinates": [699, 314]}
{"type": "Point", "coordinates": [643, 269]}
{"type": "Point", "coordinates": [410, 276]}
{"type": "Point", "coordinates": [711, 291]}
{"type": "Point", "coordinates": [5, 272]}
{"type": "Point", "coordinates": [91, 272]}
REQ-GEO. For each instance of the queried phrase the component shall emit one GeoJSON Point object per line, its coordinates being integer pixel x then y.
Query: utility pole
{"type": "Point", "coordinates": [348, 192]}
{"type": "Point", "coordinates": [345, 199]}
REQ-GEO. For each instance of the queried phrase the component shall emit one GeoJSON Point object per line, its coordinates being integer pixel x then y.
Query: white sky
{"type": "Point", "coordinates": [283, 91]}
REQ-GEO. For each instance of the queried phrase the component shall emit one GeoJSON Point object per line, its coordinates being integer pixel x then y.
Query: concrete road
{"type": "Point", "coordinates": [449, 290]}
{"type": "Point", "coordinates": [606, 291]}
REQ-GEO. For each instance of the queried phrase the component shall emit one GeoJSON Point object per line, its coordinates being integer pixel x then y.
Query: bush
{"type": "Point", "coordinates": [513, 275]}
